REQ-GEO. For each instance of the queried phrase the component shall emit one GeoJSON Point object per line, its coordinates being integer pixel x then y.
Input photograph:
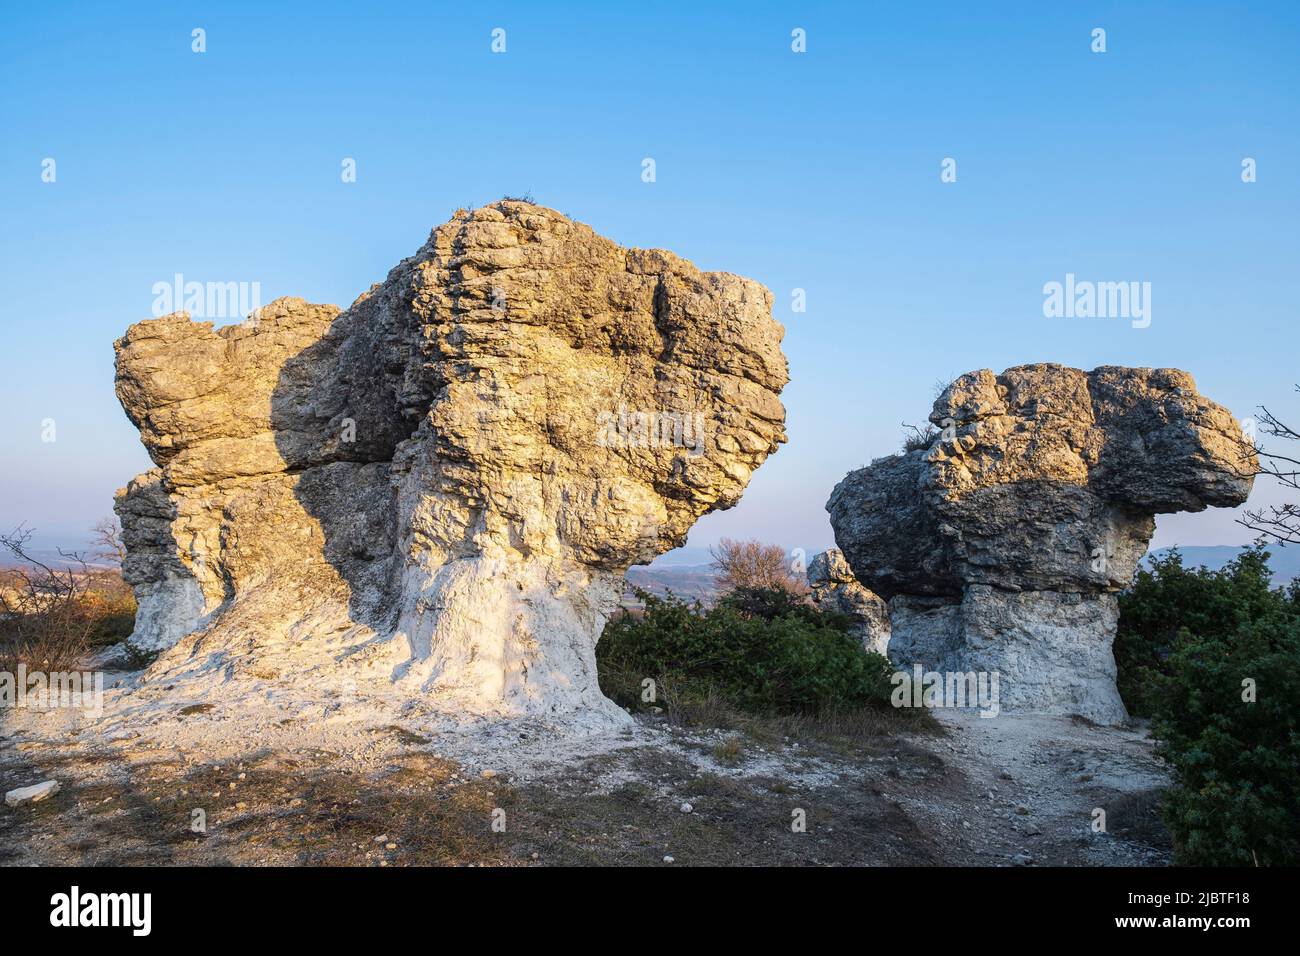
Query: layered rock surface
{"type": "Point", "coordinates": [1000, 546]}
{"type": "Point", "coordinates": [835, 589]}
{"type": "Point", "coordinates": [442, 486]}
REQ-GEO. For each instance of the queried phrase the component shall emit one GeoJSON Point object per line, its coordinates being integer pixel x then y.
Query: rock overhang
{"type": "Point", "coordinates": [428, 471]}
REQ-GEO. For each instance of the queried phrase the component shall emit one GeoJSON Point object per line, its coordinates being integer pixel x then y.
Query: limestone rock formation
{"type": "Point", "coordinates": [835, 589]}
{"type": "Point", "coordinates": [441, 487]}
{"type": "Point", "coordinates": [1000, 546]}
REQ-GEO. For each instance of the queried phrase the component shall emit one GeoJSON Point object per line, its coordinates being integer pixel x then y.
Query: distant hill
{"type": "Point", "coordinates": [1284, 562]}
{"type": "Point", "coordinates": [688, 557]}
{"type": "Point", "coordinates": [689, 582]}
{"type": "Point", "coordinates": [51, 557]}
{"type": "Point", "coordinates": [688, 573]}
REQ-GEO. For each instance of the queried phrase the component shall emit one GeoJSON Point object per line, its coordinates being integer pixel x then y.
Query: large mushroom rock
{"type": "Point", "coordinates": [1000, 546]}
{"type": "Point", "coordinates": [835, 589]}
{"type": "Point", "coordinates": [442, 486]}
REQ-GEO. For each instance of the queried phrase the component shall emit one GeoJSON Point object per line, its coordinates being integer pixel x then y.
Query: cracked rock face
{"type": "Point", "coordinates": [441, 487]}
{"type": "Point", "coordinates": [835, 589]}
{"type": "Point", "coordinates": [1000, 546]}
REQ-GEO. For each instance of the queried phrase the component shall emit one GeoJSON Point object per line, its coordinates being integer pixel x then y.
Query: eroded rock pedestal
{"type": "Point", "coordinates": [1001, 546]}
{"type": "Point", "coordinates": [442, 486]}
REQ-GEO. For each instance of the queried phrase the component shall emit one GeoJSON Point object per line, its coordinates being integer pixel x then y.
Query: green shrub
{"type": "Point", "coordinates": [1167, 597]}
{"type": "Point", "coordinates": [1188, 638]}
{"type": "Point", "coordinates": [771, 603]}
{"type": "Point", "coordinates": [1236, 762]}
{"type": "Point", "coordinates": [760, 651]}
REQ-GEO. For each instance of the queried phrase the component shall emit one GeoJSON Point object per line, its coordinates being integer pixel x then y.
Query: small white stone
{"type": "Point", "coordinates": [669, 859]}
{"type": "Point", "coordinates": [687, 808]}
{"type": "Point", "coordinates": [33, 794]}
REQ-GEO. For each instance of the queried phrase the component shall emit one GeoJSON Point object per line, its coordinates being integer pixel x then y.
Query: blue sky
{"type": "Point", "coordinates": [817, 171]}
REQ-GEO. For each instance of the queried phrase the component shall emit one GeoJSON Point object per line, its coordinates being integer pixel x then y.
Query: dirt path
{"type": "Point", "coordinates": [1005, 791]}
{"type": "Point", "coordinates": [1047, 790]}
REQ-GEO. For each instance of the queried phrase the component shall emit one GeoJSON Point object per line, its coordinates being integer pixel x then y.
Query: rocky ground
{"type": "Point", "coordinates": [325, 790]}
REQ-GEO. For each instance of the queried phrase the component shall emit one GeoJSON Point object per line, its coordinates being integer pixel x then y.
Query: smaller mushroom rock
{"type": "Point", "coordinates": [1001, 546]}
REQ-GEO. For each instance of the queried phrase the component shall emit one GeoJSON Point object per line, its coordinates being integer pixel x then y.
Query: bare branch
{"type": "Point", "coordinates": [1279, 522]}
{"type": "Point", "coordinates": [108, 542]}
{"type": "Point", "coordinates": [752, 564]}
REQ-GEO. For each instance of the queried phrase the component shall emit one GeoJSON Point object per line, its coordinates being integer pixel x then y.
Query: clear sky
{"type": "Point", "coordinates": [816, 170]}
